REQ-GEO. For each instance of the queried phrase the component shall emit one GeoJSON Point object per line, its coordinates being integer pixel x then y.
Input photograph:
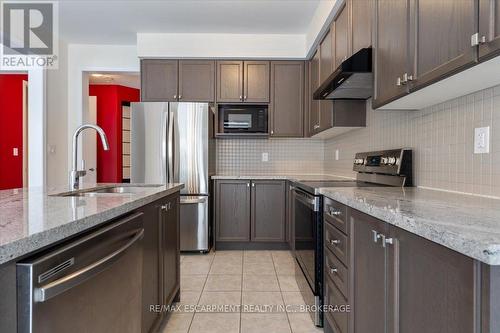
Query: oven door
{"type": "Point", "coordinates": [308, 249]}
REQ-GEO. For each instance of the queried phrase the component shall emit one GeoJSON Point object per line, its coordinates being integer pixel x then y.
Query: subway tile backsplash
{"type": "Point", "coordinates": [441, 136]}
{"type": "Point", "coordinates": [286, 156]}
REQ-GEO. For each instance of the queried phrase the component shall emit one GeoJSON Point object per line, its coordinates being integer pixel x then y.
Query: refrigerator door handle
{"type": "Point", "coordinates": [171, 148]}
{"type": "Point", "coordinates": [165, 124]}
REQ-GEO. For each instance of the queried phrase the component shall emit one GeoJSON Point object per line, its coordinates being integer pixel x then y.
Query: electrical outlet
{"type": "Point", "coordinates": [482, 140]}
{"type": "Point", "coordinates": [265, 157]}
{"type": "Point", "coordinates": [15, 152]}
{"type": "Point", "coordinates": [337, 153]}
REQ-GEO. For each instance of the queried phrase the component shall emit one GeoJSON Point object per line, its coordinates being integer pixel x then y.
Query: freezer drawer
{"type": "Point", "coordinates": [194, 223]}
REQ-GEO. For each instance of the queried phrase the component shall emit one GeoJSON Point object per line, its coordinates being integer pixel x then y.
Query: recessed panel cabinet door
{"type": "Point", "coordinates": [159, 80]}
{"type": "Point", "coordinates": [442, 45]}
{"type": "Point", "coordinates": [233, 210]}
{"type": "Point", "coordinates": [268, 211]}
{"type": "Point", "coordinates": [489, 28]}
{"type": "Point", "coordinates": [391, 50]}
{"type": "Point", "coordinates": [256, 85]}
{"type": "Point", "coordinates": [313, 85]}
{"type": "Point", "coordinates": [341, 29]}
{"type": "Point", "coordinates": [436, 287]}
{"type": "Point", "coordinates": [287, 98]}
{"type": "Point", "coordinates": [326, 68]}
{"type": "Point", "coordinates": [230, 81]}
{"type": "Point", "coordinates": [361, 12]}
{"type": "Point", "coordinates": [369, 274]}
{"type": "Point", "coordinates": [171, 248]}
{"type": "Point", "coordinates": [197, 80]}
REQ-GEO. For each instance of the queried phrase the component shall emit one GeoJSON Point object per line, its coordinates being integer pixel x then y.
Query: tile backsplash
{"type": "Point", "coordinates": [286, 156]}
{"type": "Point", "coordinates": [442, 138]}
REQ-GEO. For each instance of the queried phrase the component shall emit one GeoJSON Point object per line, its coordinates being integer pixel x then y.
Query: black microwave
{"type": "Point", "coordinates": [243, 119]}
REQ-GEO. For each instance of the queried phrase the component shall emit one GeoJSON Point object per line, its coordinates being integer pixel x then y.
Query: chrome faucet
{"type": "Point", "coordinates": [76, 175]}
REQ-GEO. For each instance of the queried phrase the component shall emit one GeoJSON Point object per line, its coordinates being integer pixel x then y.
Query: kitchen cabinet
{"type": "Point", "coordinates": [360, 25]}
{"type": "Point", "coordinates": [289, 215]}
{"type": "Point", "coordinates": [170, 245]}
{"type": "Point", "coordinates": [159, 80]}
{"type": "Point", "coordinates": [489, 28]}
{"type": "Point", "coordinates": [313, 85]}
{"type": "Point", "coordinates": [268, 217]}
{"type": "Point", "coordinates": [325, 69]}
{"type": "Point", "coordinates": [340, 29]}
{"type": "Point", "coordinates": [390, 50]}
{"type": "Point", "coordinates": [196, 80]}
{"type": "Point", "coordinates": [287, 99]}
{"type": "Point", "coordinates": [451, 25]}
{"type": "Point", "coordinates": [177, 80]}
{"type": "Point", "coordinates": [243, 81]}
{"type": "Point", "coordinates": [250, 211]}
{"type": "Point", "coordinates": [232, 210]}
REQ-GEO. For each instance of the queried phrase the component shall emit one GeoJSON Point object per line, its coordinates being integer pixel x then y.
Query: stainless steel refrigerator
{"type": "Point", "coordinates": [173, 143]}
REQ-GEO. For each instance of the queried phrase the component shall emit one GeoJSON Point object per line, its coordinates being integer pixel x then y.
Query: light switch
{"type": "Point", "coordinates": [15, 152]}
{"type": "Point", "coordinates": [265, 157]}
{"type": "Point", "coordinates": [482, 140]}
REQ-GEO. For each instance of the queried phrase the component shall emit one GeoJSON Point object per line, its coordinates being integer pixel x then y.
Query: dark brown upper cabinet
{"type": "Point", "coordinates": [256, 86]}
{"type": "Point", "coordinates": [361, 19]}
{"type": "Point", "coordinates": [340, 28]}
{"type": "Point", "coordinates": [197, 80]}
{"type": "Point", "coordinates": [313, 85]}
{"type": "Point", "coordinates": [243, 81]}
{"type": "Point", "coordinates": [230, 81]}
{"type": "Point", "coordinates": [390, 50]}
{"type": "Point", "coordinates": [441, 33]}
{"type": "Point", "coordinates": [268, 218]}
{"type": "Point", "coordinates": [159, 80]}
{"type": "Point", "coordinates": [489, 28]}
{"type": "Point", "coordinates": [326, 67]}
{"type": "Point", "coordinates": [287, 99]}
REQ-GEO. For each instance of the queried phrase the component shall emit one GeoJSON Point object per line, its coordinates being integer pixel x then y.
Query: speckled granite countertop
{"type": "Point", "coordinates": [296, 178]}
{"type": "Point", "coordinates": [32, 218]}
{"type": "Point", "coordinates": [467, 224]}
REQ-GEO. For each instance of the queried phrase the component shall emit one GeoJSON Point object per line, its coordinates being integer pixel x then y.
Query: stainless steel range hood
{"type": "Point", "coordinates": [353, 79]}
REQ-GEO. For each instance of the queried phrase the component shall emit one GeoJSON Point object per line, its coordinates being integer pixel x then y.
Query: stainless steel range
{"type": "Point", "coordinates": [377, 168]}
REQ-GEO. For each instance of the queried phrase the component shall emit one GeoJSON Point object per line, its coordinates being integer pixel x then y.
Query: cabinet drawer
{"type": "Point", "coordinates": [336, 271]}
{"type": "Point", "coordinates": [337, 242]}
{"type": "Point", "coordinates": [336, 214]}
{"type": "Point", "coordinates": [333, 297]}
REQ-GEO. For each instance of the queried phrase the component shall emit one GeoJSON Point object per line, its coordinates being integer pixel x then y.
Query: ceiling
{"type": "Point", "coordinates": [118, 21]}
{"type": "Point", "coordinates": [131, 80]}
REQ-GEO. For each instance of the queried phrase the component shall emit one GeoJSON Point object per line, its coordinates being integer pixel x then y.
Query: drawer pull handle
{"type": "Point", "coordinates": [334, 212]}
{"type": "Point", "coordinates": [335, 242]}
{"type": "Point", "coordinates": [333, 270]}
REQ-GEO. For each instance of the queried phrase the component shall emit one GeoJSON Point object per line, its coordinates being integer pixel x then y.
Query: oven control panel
{"type": "Point", "coordinates": [389, 162]}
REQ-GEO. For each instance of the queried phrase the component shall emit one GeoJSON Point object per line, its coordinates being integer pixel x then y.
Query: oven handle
{"type": "Point", "coordinates": [307, 199]}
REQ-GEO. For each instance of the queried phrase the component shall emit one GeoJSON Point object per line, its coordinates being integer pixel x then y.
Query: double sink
{"type": "Point", "coordinates": [107, 189]}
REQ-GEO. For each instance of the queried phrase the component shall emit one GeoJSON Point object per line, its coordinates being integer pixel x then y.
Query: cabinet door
{"type": "Point", "coordinates": [489, 28]}
{"type": "Point", "coordinates": [287, 98]}
{"type": "Point", "coordinates": [230, 81]}
{"type": "Point", "coordinates": [171, 248]}
{"type": "Point", "coordinates": [369, 274]}
{"type": "Point", "coordinates": [313, 85]}
{"type": "Point", "coordinates": [325, 69]}
{"type": "Point", "coordinates": [268, 211]}
{"type": "Point", "coordinates": [361, 18]}
{"type": "Point", "coordinates": [232, 210]}
{"type": "Point", "coordinates": [391, 50]}
{"type": "Point", "coordinates": [442, 30]}
{"type": "Point", "coordinates": [256, 86]}
{"type": "Point", "coordinates": [159, 80]}
{"type": "Point", "coordinates": [196, 81]}
{"type": "Point", "coordinates": [341, 30]}
{"type": "Point", "coordinates": [436, 284]}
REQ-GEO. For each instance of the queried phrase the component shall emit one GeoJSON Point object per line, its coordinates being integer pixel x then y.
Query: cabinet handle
{"type": "Point", "coordinates": [386, 241]}
{"type": "Point", "coordinates": [333, 270]}
{"type": "Point", "coordinates": [334, 212]}
{"type": "Point", "coordinates": [398, 82]}
{"type": "Point", "coordinates": [164, 207]}
{"type": "Point", "coordinates": [245, 98]}
{"type": "Point", "coordinates": [335, 242]}
{"type": "Point", "coordinates": [272, 132]}
{"type": "Point", "coordinates": [376, 236]}
{"type": "Point", "coordinates": [180, 96]}
{"type": "Point", "coordinates": [248, 184]}
{"type": "Point", "coordinates": [253, 184]}
{"type": "Point", "coordinates": [175, 96]}
{"type": "Point", "coordinates": [316, 126]}
{"type": "Point", "coordinates": [241, 98]}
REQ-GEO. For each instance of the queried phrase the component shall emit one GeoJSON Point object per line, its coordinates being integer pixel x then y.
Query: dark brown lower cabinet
{"type": "Point", "coordinates": [400, 282]}
{"type": "Point", "coordinates": [268, 211]}
{"type": "Point", "coordinates": [250, 211]}
{"type": "Point", "coordinates": [170, 245]}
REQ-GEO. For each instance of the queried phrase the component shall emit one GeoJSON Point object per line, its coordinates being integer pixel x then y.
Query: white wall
{"type": "Point", "coordinates": [320, 23]}
{"type": "Point", "coordinates": [212, 45]}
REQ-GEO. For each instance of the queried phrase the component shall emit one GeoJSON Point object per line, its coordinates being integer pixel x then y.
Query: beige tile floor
{"type": "Point", "coordinates": [253, 285]}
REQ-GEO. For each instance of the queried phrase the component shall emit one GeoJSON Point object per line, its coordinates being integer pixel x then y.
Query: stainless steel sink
{"type": "Point", "coordinates": [118, 189]}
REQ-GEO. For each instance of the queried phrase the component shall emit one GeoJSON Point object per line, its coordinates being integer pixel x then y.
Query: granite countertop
{"type": "Point", "coordinates": [32, 218]}
{"type": "Point", "coordinates": [467, 224]}
{"type": "Point", "coordinates": [291, 177]}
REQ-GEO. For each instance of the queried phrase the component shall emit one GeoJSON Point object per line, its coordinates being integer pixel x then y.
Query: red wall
{"type": "Point", "coordinates": [11, 130]}
{"type": "Point", "coordinates": [109, 117]}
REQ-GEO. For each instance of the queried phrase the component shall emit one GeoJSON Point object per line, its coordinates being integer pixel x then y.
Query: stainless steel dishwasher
{"type": "Point", "coordinates": [93, 284]}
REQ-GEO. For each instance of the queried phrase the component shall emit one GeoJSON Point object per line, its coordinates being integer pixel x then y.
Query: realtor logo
{"type": "Point", "coordinates": [29, 35]}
